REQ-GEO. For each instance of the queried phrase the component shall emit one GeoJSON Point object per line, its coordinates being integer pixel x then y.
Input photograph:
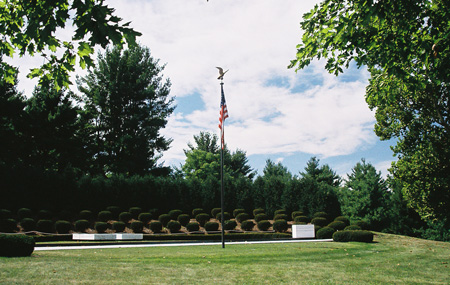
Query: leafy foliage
{"type": "Point", "coordinates": [16, 245]}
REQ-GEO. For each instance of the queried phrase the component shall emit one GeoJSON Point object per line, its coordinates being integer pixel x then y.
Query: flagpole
{"type": "Point", "coordinates": [221, 176]}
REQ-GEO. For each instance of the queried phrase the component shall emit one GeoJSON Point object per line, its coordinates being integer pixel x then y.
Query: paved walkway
{"type": "Point", "coordinates": [172, 244]}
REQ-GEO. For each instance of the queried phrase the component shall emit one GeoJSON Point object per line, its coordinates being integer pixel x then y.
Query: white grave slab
{"type": "Point", "coordinates": [107, 236]}
{"type": "Point", "coordinates": [303, 231]}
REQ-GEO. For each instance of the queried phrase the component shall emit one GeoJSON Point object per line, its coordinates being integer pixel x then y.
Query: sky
{"type": "Point", "coordinates": [274, 112]}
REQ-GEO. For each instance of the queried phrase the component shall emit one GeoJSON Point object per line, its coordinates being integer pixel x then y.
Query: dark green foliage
{"type": "Point", "coordinates": [281, 217]}
{"type": "Point", "coordinates": [229, 225]}
{"type": "Point", "coordinates": [174, 214]}
{"type": "Point", "coordinates": [101, 227]}
{"type": "Point", "coordinates": [118, 227]}
{"type": "Point", "coordinates": [242, 217]}
{"type": "Point", "coordinates": [45, 226]}
{"type": "Point", "coordinates": [65, 215]}
{"type": "Point", "coordinates": [325, 233]}
{"type": "Point", "coordinates": [8, 226]}
{"type": "Point", "coordinates": [104, 216]}
{"type": "Point", "coordinates": [86, 215]}
{"type": "Point", "coordinates": [215, 211]}
{"type": "Point", "coordinates": [362, 224]}
{"type": "Point", "coordinates": [145, 218]}
{"type": "Point", "coordinates": [63, 227]}
{"type": "Point", "coordinates": [156, 227]}
{"type": "Point", "coordinates": [202, 219]}
{"type": "Point", "coordinates": [135, 211]}
{"type": "Point", "coordinates": [237, 212]}
{"type": "Point", "coordinates": [279, 211]}
{"type": "Point", "coordinates": [193, 227]}
{"type": "Point", "coordinates": [212, 226]}
{"type": "Point", "coordinates": [115, 210]}
{"type": "Point", "coordinates": [164, 219]}
{"type": "Point", "coordinates": [197, 211]}
{"type": "Point", "coordinates": [352, 228]}
{"type": "Point", "coordinates": [137, 226]}
{"type": "Point", "coordinates": [226, 216]}
{"type": "Point", "coordinates": [45, 215]}
{"type": "Point", "coordinates": [320, 221]}
{"type": "Point", "coordinates": [247, 225]}
{"type": "Point", "coordinates": [343, 219]}
{"type": "Point", "coordinates": [359, 236]}
{"type": "Point", "coordinates": [264, 225]}
{"type": "Point", "coordinates": [296, 214]}
{"type": "Point", "coordinates": [81, 225]}
{"type": "Point", "coordinates": [184, 219]}
{"type": "Point", "coordinates": [301, 219]}
{"type": "Point", "coordinates": [5, 214]}
{"type": "Point", "coordinates": [258, 211]}
{"type": "Point", "coordinates": [321, 215]}
{"type": "Point", "coordinates": [125, 217]}
{"type": "Point", "coordinates": [261, 217]}
{"type": "Point", "coordinates": [23, 213]}
{"type": "Point", "coordinates": [337, 225]}
{"type": "Point", "coordinates": [174, 226]}
{"type": "Point", "coordinates": [280, 226]}
{"type": "Point", "coordinates": [28, 224]}
{"type": "Point", "coordinates": [16, 245]}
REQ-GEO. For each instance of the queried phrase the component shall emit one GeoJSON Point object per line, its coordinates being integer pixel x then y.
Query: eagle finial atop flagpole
{"type": "Point", "coordinates": [221, 73]}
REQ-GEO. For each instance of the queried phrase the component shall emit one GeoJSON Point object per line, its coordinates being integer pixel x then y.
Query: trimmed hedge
{"type": "Point", "coordinates": [44, 215]}
{"type": "Point", "coordinates": [45, 226]}
{"type": "Point", "coordinates": [135, 211]}
{"type": "Point", "coordinates": [319, 221]}
{"type": "Point", "coordinates": [16, 245]}
{"type": "Point", "coordinates": [280, 211]}
{"type": "Point", "coordinates": [85, 215]}
{"type": "Point", "coordinates": [115, 210]}
{"type": "Point", "coordinates": [241, 217]}
{"type": "Point", "coordinates": [258, 211]}
{"type": "Point", "coordinates": [101, 227]}
{"type": "Point", "coordinates": [63, 227]}
{"type": "Point", "coordinates": [247, 225]}
{"type": "Point", "coordinates": [281, 217]}
{"type": "Point", "coordinates": [81, 225]}
{"type": "Point", "coordinates": [164, 219]}
{"type": "Point", "coordinates": [174, 214]}
{"type": "Point", "coordinates": [137, 226]}
{"type": "Point", "coordinates": [344, 220]}
{"type": "Point", "coordinates": [202, 218]}
{"type": "Point", "coordinates": [28, 224]}
{"type": "Point", "coordinates": [215, 211]}
{"type": "Point", "coordinates": [363, 225]}
{"type": "Point", "coordinates": [174, 226]}
{"type": "Point", "coordinates": [8, 226]}
{"type": "Point", "coordinates": [156, 227]}
{"type": "Point", "coordinates": [352, 228]}
{"type": "Point", "coordinates": [237, 212]}
{"type": "Point", "coordinates": [359, 236]}
{"type": "Point", "coordinates": [184, 219]}
{"type": "Point", "coordinates": [229, 225]}
{"type": "Point", "coordinates": [280, 226]}
{"type": "Point", "coordinates": [23, 213]}
{"type": "Point", "coordinates": [104, 216]}
{"type": "Point", "coordinates": [212, 226]}
{"type": "Point", "coordinates": [264, 225]}
{"type": "Point", "coordinates": [301, 219]}
{"type": "Point", "coordinates": [226, 216]}
{"type": "Point", "coordinates": [325, 233]}
{"type": "Point", "coordinates": [125, 217]}
{"type": "Point", "coordinates": [145, 218]}
{"type": "Point", "coordinates": [197, 211]}
{"type": "Point", "coordinates": [296, 214]}
{"type": "Point", "coordinates": [261, 217]}
{"type": "Point", "coordinates": [337, 225]}
{"type": "Point", "coordinates": [193, 227]}
{"type": "Point", "coordinates": [118, 227]}
{"type": "Point", "coordinates": [321, 215]}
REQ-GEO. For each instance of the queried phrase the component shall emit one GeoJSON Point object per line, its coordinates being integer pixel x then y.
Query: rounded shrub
{"type": "Point", "coordinates": [197, 211]}
{"type": "Point", "coordinates": [174, 214]}
{"type": "Point", "coordinates": [115, 211]}
{"type": "Point", "coordinates": [277, 212]}
{"type": "Point", "coordinates": [104, 216]}
{"type": "Point", "coordinates": [137, 226]}
{"type": "Point", "coordinates": [359, 236]}
{"type": "Point", "coordinates": [193, 227]}
{"type": "Point", "coordinates": [215, 211]}
{"type": "Point", "coordinates": [260, 217]}
{"type": "Point", "coordinates": [184, 219]}
{"type": "Point", "coordinates": [280, 226]}
{"type": "Point", "coordinates": [8, 226]}
{"type": "Point", "coordinates": [264, 225]}
{"type": "Point", "coordinates": [5, 214]}
{"type": "Point", "coordinates": [118, 227]}
{"type": "Point", "coordinates": [202, 219]}
{"type": "Point", "coordinates": [23, 213]}
{"type": "Point", "coordinates": [343, 219]}
{"type": "Point", "coordinates": [28, 224]}
{"type": "Point", "coordinates": [325, 233]}
{"type": "Point", "coordinates": [212, 226]}
{"type": "Point", "coordinates": [44, 226]}
{"type": "Point", "coordinates": [63, 227]}
{"type": "Point", "coordinates": [164, 219]}
{"type": "Point", "coordinates": [236, 212]}
{"type": "Point", "coordinates": [319, 221]}
{"type": "Point", "coordinates": [363, 224]}
{"type": "Point", "coordinates": [85, 215]}
{"type": "Point", "coordinates": [145, 218]}
{"type": "Point", "coordinates": [258, 211]}
{"type": "Point", "coordinates": [296, 214]}
{"type": "Point", "coordinates": [337, 225]}
{"type": "Point", "coordinates": [226, 216]}
{"type": "Point", "coordinates": [16, 245]}
{"type": "Point", "coordinates": [321, 215]}
{"type": "Point", "coordinates": [229, 225]}
{"type": "Point", "coordinates": [247, 225]}
{"type": "Point", "coordinates": [65, 215]}
{"type": "Point", "coordinates": [135, 211]}
{"type": "Point", "coordinates": [156, 227]}
{"type": "Point", "coordinates": [280, 217]}
{"type": "Point", "coordinates": [125, 217]}
{"type": "Point", "coordinates": [301, 219]}
{"type": "Point", "coordinates": [174, 226]}
{"type": "Point", "coordinates": [101, 227]}
{"type": "Point", "coordinates": [352, 228]}
{"type": "Point", "coordinates": [44, 215]}
{"type": "Point", "coordinates": [241, 217]}
{"type": "Point", "coordinates": [81, 225]}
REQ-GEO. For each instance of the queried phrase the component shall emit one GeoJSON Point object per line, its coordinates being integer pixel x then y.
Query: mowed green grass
{"type": "Point", "coordinates": [390, 259]}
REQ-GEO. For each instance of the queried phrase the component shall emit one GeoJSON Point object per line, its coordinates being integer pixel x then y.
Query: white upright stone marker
{"type": "Point", "coordinates": [303, 231]}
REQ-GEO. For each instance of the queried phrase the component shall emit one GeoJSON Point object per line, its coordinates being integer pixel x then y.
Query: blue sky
{"type": "Point", "coordinates": [274, 112]}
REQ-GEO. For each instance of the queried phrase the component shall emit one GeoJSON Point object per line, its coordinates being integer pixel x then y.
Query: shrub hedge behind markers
{"type": "Point", "coordinates": [135, 211]}
{"type": "Point", "coordinates": [193, 227]}
{"type": "Point", "coordinates": [85, 215]}
{"type": "Point", "coordinates": [343, 219]}
{"type": "Point", "coordinates": [215, 211]}
{"type": "Point", "coordinates": [241, 217]}
{"type": "Point", "coordinates": [202, 219]}
{"type": "Point", "coordinates": [137, 226]}
{"type": "Point", "coordinates": [319, 221]}
{"type": "Point", "coordinates": [118, 227]}
{"type": "Point", "coordinates": [321, 215]}
{"type": "Point", "coordinates": [226, 216]}
{"type": "Point", "coordinates": [296, 214]}
{"type": "Point", "coordinates": [101, 227]}
{"type": "Point", "coordinates": [184, 219]}
{"type": "Point", "coordinates": [362, 224]}
{"type": "Point", "coordinates": [174, 214]}
{"type": "Point", "coordinates": [156, 227]}
{"type": "Point", "coordinates": [197, 211]}
{"type": "Point", "coordinates": [115, 210]}
{"type": "Point", "coordinates": [337, 225]}
{"type": "Point", "coordinates": [174, 226]}
{"type": "Point", "coordinates": [229, 225]}
{"type": "Point", "coordinates": [16, 245]}
{"type": "Point", "coordinates": [261, 217]}
{"type": "Point", "coordinates": [105, 216]}
{"type": "Point", "coordinates": [352, 228]}
{"type": "Point", "coordinates": [28, 224]}
{"type": "Point", "coordinates": [359, 236]}
{"type": "Point", "coordinates": [45, 226]}
{"type": "Point", "coordinates": [237, 212]}
{"type": "Point", "coordinates": [125, 217]}
{"type": "Point", "coordinates": [145, 218]}
{"type": "Point", "coordinates": [212, 226]}
{"type": "Point", "coordinates": [325, 233]}
{"type": "Point", "coordinates": [8, 226]}
{"type": "Point", "coordinates": [81, 225]}
{"type": "Point", "coordinates": [264, 225]}
{"type": "Point", "coordinates": [63, 227]}
{"type": "Point", "coordinates": [258, 211]}
{"type": "Point", "coordinates": [247, 225]}
{"type": "Point", "coordinates": [24, 213]}
{"type": "Point", "coordinates": [164, 219]}
{"type": "Point", "coordinates": [281, 217]}
{"type": "Point", "coordinates": [280, 226]}
{"type": "Point", "coordinates": [301, 219]}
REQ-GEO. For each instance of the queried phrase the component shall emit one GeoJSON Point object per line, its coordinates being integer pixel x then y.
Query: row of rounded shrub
{"type": "Point", "coordinates": [16, 245]}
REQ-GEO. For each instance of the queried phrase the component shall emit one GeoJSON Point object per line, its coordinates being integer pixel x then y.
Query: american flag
{"type": "Point", "coordinates": [223, 116]}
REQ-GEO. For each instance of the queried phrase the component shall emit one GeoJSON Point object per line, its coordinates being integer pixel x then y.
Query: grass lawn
{"type": "Point", "coordinates": [390, 259]}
